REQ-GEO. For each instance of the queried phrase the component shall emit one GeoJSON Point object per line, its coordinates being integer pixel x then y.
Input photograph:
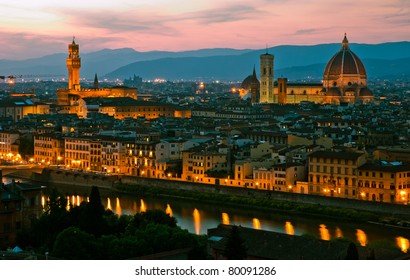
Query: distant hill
{"type": "Point", "coordinates": [100, 62]}
{"type": "Point", "coordinates": [294, 62]}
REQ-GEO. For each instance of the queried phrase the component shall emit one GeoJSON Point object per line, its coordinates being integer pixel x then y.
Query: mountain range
{"type": "Point", "coordinates": [293, 62]}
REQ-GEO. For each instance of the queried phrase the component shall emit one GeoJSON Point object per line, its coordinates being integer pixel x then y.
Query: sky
{"type": "Point", "coordinates": [31, 29]}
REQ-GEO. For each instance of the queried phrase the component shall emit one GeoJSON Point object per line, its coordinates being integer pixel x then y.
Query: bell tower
{"type": "Point", "coordinates": [73, 63]}
{"type": "Point", "coordinates": [266, 76]}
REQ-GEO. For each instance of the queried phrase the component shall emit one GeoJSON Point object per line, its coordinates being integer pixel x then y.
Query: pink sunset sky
{"type": "Point", "coordinates": [35, 28]}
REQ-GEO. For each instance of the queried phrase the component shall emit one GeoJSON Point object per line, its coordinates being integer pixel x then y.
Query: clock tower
{"type": "Point", "coordinates": [73, 63]}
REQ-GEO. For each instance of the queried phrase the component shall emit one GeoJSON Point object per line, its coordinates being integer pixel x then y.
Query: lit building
{"type": "Point", "coordinates": [267, 78]}
{"type": "Point", "coordinates": [280, 177]}
{"type": "Point", "coordinates": [198, 164]}
{"type": "Point", "coordinates": [112, 155]}
{"type": "Point", "coordinates": [69, 96]}
{"type": "Point", "coordinates": [7, 139]}
{"type": "Point", "coordinates": [140, 154]}
{"type": "Point", "coordinates": [49, 149]}
{"type": "Point", "coordinates": [384, 182]}
{"type": "Point", "coordinates": [250, 86]}
{"type": "Point", "coordinates": [77, 152]}
{"type": "Point", "coordinates": [334, 173]}
{"type": "Point", "coordinates": [344, 80]}
{"type": "Point", "coordinates": [19, 108]}
{"type": "Point", "coordinates": [123, 107]}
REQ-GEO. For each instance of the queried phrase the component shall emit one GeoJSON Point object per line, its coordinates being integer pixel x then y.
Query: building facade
{"type": "Point", "coordinates": [69, 96]}
{"type": "Point", "coordinates": [335, 174]}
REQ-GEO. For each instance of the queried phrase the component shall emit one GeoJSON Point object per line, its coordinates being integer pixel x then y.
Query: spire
{"type": "Point", "coordinates": [95, 81]}
{"type": "Point", "coordinates": [254, 72]}
{"type": "Point", "coordinates": [73, 40]}
{"type": "Point", "coordinates": [345, 43]}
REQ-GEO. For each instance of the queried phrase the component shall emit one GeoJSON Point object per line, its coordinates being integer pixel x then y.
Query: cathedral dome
{"type": "Point", "coordinates": [251, 82]}
{"type": "Point", "coordinates": [344, 62]}
{"type": "Point", "coordinates": [365, 92]}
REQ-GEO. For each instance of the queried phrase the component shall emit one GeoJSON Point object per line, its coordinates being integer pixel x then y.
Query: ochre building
{"type": "Point", "coordinates": [67, 97]}
{"type": "Point", "coordinates": [344, 80]}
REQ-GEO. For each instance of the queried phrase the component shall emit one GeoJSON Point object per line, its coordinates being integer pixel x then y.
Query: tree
{"type": "Point", "coordinates": [91, 217]}
{"type": "Point", "coordinates": [75, 244]}
{"type": "Point", "coordinates": [26, 145]}
{"type": "Point", "coordinates": [235, 248]}
{"type": "Point", "coordinates": [352, 253]}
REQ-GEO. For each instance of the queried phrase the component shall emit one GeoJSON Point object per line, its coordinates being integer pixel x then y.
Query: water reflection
{"type": "Point", "coordinates": [134, 207]}
{"type": "Point", "coordinates": [361, 237]}
{"type": "Point", "coordinates": [339, 233]}
{"type": "Point", "coordinates": [118, 209]}
{"type": "Point", "coordinates": [256, 223]}
{"type": "Point", "coordinates": [143, 207]}
{"type": "Point", "coordinates": [43, 201]}
{"type": "Point", "coordinates": [403, 244]}
{"type": "Point", "coordinates": [197, 221]}
{"type": "Point", "coordinates": [67, 207]}
{"type": "Point", "coordinates": [225, 218]}
{"type": "Point", "coordinates": [289, 228]}
{"type": "Point", "coordinates": [324, 232]}
{"type": "Point", "coordinates": [109, 204]}
{"type": "Point", "coordinates": [168, 210]}
{"type": "Point", "coordinates": [190, 218]}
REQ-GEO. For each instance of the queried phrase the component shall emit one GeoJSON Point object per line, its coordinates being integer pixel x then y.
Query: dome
{"type": "Point", "coordinates": [334, 91]}
{"type": "Point", "coordinates": [251, 81]}
{"type": "Point", "coordinates": [344, 62]}
{"type": "Point", "coordinates": [365, 92]}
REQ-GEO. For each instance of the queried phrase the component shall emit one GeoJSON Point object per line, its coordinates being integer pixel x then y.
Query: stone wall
{"type": "Point", "coordinates": [74, 178]}
{"type": "Point", "coordinates": [385, 208]}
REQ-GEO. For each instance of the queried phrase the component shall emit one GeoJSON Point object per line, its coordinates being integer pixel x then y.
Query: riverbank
{"type": "Point", "coordinates": [294, 203]}
{"type": "Point", "coordinates": [250, 203]}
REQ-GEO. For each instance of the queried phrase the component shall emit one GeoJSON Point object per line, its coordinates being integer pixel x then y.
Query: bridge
{"type": "Point", "coordinates": [20, 171]}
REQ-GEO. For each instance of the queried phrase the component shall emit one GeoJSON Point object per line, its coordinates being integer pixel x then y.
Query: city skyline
{"type": "Point", "coordinates": [32, 29]}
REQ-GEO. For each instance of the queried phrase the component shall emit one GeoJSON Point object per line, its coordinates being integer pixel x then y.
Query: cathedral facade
{"type": "Point", "coordinates": [68, 97]}
{"type": "Point", "coordinates": [344, 80]}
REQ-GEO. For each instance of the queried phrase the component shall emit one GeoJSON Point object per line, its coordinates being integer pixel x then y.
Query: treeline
{"type": "Point", "coordinates": [89, 231]}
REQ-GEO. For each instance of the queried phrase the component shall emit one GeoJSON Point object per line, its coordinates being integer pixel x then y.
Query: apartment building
{"type": "Point", "coordinates": [384, 182]}
{"type": "Point", "coordinates": [49, 149]}
{"type": "Point", "coordinates": [19, 204]}
{"type": "Point", "coordinates": [77, 152]}
{"type": "Point", "coordinates": [198, 163]}
{"type": "Point", "coordinates": [279, 177]}
{"type": "Point", "coordinates": [7, 139]}
{"type": "Point", "coordinates": [334, 173]}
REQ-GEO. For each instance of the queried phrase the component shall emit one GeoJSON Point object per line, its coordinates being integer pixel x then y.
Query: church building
{"type": "Point", "coordinates": [344, 80]}
{"type": "Point", "coordinates": [68, 97]}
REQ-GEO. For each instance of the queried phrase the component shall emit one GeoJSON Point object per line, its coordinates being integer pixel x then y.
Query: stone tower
{"type": "Point", "coordinates": [73, 63]}
{"type": "Point", "coordinates": [282, 90]}
{"type": "Point", "coordinates": [96, 86]}
{"type": "Point", "coordinates": [266, 78]}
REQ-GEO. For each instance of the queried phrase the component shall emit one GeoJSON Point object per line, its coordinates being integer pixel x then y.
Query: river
{"type": "Point", "coordinates": [197, 217]}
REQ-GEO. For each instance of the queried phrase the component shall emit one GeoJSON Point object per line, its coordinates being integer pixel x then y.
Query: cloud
{"type": "Point", "coordinates": [29, 45]}
{"type": "Point", "coordinates": [231, 13]}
